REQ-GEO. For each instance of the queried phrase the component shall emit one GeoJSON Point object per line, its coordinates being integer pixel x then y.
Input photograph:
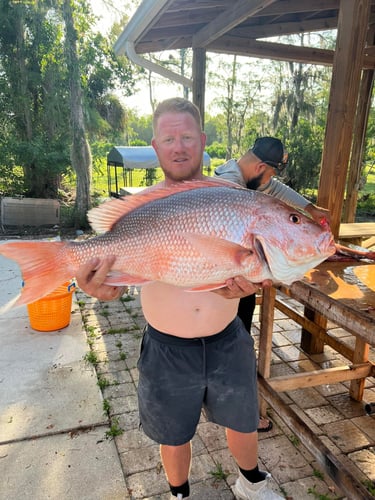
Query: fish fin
{"type": "Point", "coordinates": [357, 253]}
{"type": "Point", "coordinates": [219, 249]}
{"type": "Point", "coordinates": [117, 278]}
{"type": "Point", "coordinates": [105, 216]}
{"type": "Point", "coordinates": [42, 268]}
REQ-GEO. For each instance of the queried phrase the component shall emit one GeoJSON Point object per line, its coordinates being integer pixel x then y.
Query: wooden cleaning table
{"type": "Point", "coordinates": [340, 292]}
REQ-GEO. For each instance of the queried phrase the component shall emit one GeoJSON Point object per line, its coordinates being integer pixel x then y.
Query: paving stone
{"type": "Point", "coordinates": [133, 439]}
{"type": "Point", "coordinates": [121, 405]}
{"type": "Point", "coordinates": [140, 459]}
{"type": "Point", "coordinates": [346, 406]}
{"type": "Point", "coordinates": [289, 353]}
{"type": "Point", "coordinates": [228, 464]}
{"type": "Point", "coordinates": [281, 370]}
{"type": "Point", "coordinates": [307, 488]}
{"type": "Point", "coordinates": [365, 460]}
{"type": "Point", "coordinates": [278, 454]}
{"type": "Point", "coordinates": [147, 484]}
{"type": "Point", "coordinates": [307, 398]}
{"type": "Point", "coordinates": [128, 421]}
{"type": "Point", "coordinates": [346, 435]}
{"type": "Point", "coordinates": [310, 424]}
{"type": "Point", "coordinates": [286, 324]}
{"type": "Point", "coordinates": [367, 425]}
{"type": "Point", "coordinates": [328, 390]}
{"type": "Point", "coordinates": [303, 365]}
{"type": "Point", "coordinates": [279, 340]}
{"type": "Point", "coordinates": [293, 336]}
{"type": "Point", "coordinates": [323, 415]}
{"type": "Point", "coordinates": [212, 435]}
{"type": "Point", "coordinates": [119, 391]}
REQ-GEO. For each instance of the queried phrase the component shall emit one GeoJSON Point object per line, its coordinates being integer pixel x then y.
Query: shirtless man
{"type": "Point", "coordinates": [195, 353]}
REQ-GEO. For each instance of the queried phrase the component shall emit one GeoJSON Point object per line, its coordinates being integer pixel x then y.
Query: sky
{"type": "Point", "coordinates": [162, 88]}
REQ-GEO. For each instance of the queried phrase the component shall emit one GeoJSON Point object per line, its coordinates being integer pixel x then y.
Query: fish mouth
{"type": "Point", "coordinates": [259, 247]}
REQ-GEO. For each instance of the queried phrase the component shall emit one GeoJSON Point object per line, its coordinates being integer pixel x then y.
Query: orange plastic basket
{"type": "Point", "coordinates": [52, 312]}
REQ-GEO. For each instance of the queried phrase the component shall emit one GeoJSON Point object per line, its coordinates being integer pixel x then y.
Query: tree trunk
{"type": "Point", "coordinates": [80, 152]}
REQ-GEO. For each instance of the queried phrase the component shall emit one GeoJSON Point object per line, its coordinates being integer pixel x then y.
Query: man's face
{"type": "Point", "coordinates": [179, 144]}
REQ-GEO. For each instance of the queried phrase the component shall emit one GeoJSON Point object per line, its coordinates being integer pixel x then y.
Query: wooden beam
{"type": "Point", "coordinates": [236, 13]}
{"type": "Point", "coordinates": [320, 377]}
{"type": "Point", "coordinates": [269, 50]}
{"type": "Point", "coordinates": [347, 66]}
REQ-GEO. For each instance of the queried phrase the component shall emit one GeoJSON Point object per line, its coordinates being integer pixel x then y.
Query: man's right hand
{"type": "Point", "coordinates": [91, 276]}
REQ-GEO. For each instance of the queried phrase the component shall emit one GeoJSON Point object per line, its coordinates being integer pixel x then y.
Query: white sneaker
{"type": "Point", "coordinates": [245, 490]}
{"type": "Point", "coordinates": [179, 496]}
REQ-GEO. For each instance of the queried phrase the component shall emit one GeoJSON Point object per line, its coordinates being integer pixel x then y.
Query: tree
{"type": "Point", "coordinates": [34, 96]}
{"type": "Point", "coordinates": [57, 79]}
{"type": "Point", "coordinates": [80, 151]}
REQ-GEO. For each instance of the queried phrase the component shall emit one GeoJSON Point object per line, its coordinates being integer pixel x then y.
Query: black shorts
{"type": "Point", "coordinates": [178, 377]}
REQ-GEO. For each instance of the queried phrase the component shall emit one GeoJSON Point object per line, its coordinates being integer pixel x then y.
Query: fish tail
{"type": "Point", "coordinates": [44, 267]}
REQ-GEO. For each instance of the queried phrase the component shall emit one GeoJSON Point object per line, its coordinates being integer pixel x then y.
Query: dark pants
{"type": "Point", "coordinates": [246, 310]}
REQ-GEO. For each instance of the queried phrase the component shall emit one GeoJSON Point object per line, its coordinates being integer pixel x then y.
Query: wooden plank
{"type": "Point", "coordinates": [368, 243]}
{"type": "Point", "coordinates": [319, 377]}
{"type": "Point", "coordinates": [343, 477]}
{"type": "Point", "coordinates": [354, 321]}
{"type": "Point", "coordinates": [356, 230]}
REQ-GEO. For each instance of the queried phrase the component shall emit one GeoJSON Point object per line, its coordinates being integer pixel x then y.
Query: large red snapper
{"type": "Point", "coordinates": [195, 235]}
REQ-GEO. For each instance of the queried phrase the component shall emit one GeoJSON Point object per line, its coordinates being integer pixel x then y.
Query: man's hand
{"type": "Point", "coordinates": [239, 287]}
{"type": "Point", "coordinates": [91, 276]}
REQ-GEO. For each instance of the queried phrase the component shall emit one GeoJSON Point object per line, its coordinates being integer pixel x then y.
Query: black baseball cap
{"type": "Point", "coordinates": [271, 151]}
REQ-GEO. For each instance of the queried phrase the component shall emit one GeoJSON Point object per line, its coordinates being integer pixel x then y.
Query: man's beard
{"type": "Point", "coordinates": [254, 183]}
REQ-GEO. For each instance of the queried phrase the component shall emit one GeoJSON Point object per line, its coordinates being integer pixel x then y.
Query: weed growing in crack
{"type": "Point", "coordinates": [115, 429]}
{"type": "Point", "coordinates": [91, 357]}
{"type": "Point", "coordinates": [219, 474]}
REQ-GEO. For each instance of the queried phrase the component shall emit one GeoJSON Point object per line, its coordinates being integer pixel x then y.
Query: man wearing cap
{"type": "Point", "coordinates": [256, 170]}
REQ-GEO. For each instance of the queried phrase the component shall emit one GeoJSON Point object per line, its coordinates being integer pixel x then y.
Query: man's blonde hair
{"type": "Point", "coordinates": [176, 105]}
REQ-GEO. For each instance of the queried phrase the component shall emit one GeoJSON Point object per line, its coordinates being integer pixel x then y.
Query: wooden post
{"type": "Point", "coordinates": [199, 79]}
{"type": "Point", "coordinates": [347, 65]}
{"type": "Point", "coordinates": [360, 126]}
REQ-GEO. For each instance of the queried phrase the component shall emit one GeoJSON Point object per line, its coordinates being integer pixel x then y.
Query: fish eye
{"type": "Point", "coordinates": [295, 218]}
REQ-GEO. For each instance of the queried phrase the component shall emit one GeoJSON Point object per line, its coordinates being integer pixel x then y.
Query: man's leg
{"type": "Point", "coordinates": [176, 461]}
{"type": "Point", "coordinates": [252, 483]}
{"type": "Point", "coordinates": [244, 448]}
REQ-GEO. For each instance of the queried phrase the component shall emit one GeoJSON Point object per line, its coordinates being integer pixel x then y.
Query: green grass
{"type": "Point", "coordinates": [138, 178]}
